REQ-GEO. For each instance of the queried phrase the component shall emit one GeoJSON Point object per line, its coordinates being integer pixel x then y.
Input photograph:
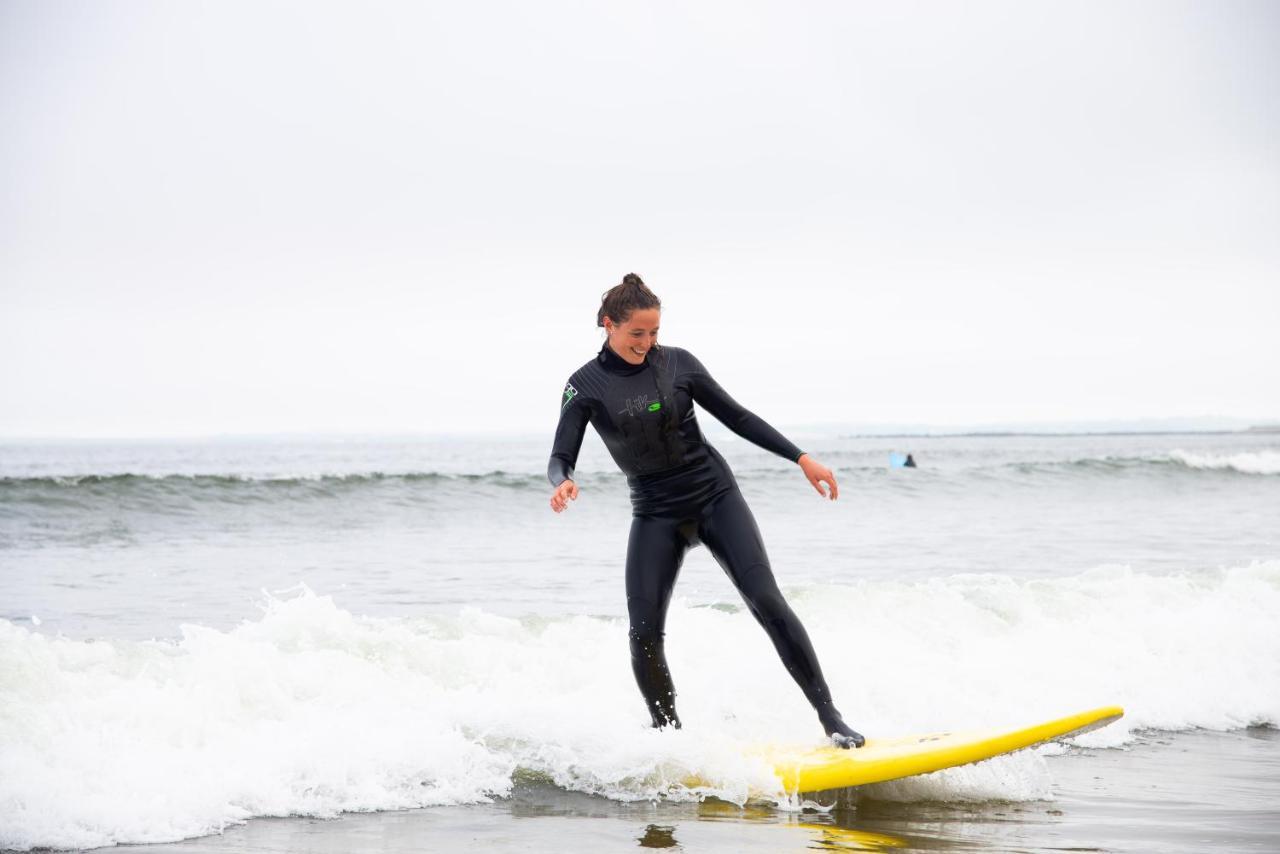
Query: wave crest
{"type": "Point", "coordinates": [112, 741]}
{"type": "Point", "coordinates": [1247, 462]}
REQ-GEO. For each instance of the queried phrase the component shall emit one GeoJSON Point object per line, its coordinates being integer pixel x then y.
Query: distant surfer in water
{"type": "Point", "coordinates": [640, 397]}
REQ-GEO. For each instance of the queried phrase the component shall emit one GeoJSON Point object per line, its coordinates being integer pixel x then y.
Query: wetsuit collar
{"type": "Point", "coordinates": [615, 364]}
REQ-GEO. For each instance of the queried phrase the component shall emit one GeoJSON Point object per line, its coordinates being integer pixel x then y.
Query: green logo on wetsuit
{"type": "Point", "coordinates": [569, 392]}
{"type": "Point", "coordinates": [654, 407]}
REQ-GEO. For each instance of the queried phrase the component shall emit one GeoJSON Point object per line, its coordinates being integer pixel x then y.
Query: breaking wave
{"type": "Point", "coordinates": [312, 710]}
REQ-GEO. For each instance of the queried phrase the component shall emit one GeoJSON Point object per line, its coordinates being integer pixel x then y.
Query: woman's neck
{"type": "Point", "coordinates": [613, 361]}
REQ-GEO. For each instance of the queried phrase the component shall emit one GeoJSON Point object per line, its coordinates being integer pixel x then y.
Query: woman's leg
{"type": "Point", "coordinates": [655, 551]}
{"type": "Point", "coordinates": [729, 530]}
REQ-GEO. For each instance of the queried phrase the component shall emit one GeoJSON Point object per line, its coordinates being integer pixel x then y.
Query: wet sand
{"type": "Point", "coordinates": [1170, 792]}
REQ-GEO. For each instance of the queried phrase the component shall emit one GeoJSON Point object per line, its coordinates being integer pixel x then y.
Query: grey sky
{"type": "Point", "coordinates": [258, 217]}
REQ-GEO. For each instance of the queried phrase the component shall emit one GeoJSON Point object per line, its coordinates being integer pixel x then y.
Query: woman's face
{"type": "Point", "coordinates": [632, 338]}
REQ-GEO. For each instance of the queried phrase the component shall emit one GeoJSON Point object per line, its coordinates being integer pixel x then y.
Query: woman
{"type": "Point", "coordinates": [640, 399]}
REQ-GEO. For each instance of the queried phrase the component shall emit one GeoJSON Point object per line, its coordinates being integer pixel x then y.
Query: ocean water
{"type": "Point", "coordinates": [197, 634]}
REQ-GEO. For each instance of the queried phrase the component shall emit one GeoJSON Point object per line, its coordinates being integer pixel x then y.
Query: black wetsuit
{"type": "Point", "coordinates": [682, 493]}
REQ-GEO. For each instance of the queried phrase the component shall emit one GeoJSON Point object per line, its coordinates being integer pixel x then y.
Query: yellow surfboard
{"type": "Point", "coordinates": [814, 769]}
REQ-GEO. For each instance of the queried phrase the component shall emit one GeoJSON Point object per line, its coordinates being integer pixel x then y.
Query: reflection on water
{"type": "Point", "coordinates": [835, 838]}
{"type": "Point", "coordinates": [837, 830]}
{"type": "Point", "coordinates": [659, 836]}
{"type": "Point", "coordinates": [821, 837]}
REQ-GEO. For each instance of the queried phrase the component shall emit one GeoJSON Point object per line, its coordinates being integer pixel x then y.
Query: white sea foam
{"type": "Point", "coordinates": [1248, 462]}
{"type": "Point", "coordinates": [312, 710]}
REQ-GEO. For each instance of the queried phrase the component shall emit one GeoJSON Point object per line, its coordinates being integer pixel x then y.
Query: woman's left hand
{"type": "Point", "coordinates": [819, 474]}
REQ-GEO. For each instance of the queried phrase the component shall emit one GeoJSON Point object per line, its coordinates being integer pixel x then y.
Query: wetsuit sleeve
{"type": "Point", "coordinates": [708, 394]}
{"type": "Point", "coordinates": [574, 415]}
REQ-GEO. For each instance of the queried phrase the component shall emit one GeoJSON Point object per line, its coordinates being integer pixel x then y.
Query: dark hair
{"type": "Point", "coordinates": [619, 301]}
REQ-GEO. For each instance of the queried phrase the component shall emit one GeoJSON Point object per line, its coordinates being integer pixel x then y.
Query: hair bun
{"type": "Point", "coordinates": [620, 300]}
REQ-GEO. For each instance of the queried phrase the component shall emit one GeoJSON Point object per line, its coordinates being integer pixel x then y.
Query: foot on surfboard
{"type": "Point", "coordinates": [841, 734]}
{"type": "Point", "coordinates": [847, 739]}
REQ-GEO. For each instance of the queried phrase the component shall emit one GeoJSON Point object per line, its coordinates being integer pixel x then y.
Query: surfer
{"type": "Point", "coordinates": [640, 397]}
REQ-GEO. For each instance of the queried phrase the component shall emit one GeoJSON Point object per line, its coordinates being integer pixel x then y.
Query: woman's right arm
{"type": "Point", "coordinates": [574, 415]}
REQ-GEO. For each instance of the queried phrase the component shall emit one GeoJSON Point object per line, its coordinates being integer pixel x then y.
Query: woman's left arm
{"type": "Point", "coordinates": [708, 394]}
{"type": "Point", "coordinates": [819, 474]}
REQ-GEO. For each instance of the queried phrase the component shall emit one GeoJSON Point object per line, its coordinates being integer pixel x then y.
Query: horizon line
{"type": "Point", "coordinates": [1116, 427]}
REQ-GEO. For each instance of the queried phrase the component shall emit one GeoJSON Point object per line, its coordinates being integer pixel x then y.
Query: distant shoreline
{"type": "Point", "coordinates": [833, 432]}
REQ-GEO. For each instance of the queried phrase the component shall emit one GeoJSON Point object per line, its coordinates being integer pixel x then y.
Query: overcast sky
{"type": "Point", "coordinates": [293, 217]}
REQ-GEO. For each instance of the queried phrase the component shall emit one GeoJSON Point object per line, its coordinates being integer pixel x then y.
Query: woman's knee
{"type": "Point", "coordinates": [646, 622]}
{"type": "Point", "coordinates": [760, 591]}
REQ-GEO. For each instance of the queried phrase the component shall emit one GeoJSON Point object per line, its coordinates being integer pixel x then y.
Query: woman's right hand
{"type": "Point", "coordinates": [565, 492]}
